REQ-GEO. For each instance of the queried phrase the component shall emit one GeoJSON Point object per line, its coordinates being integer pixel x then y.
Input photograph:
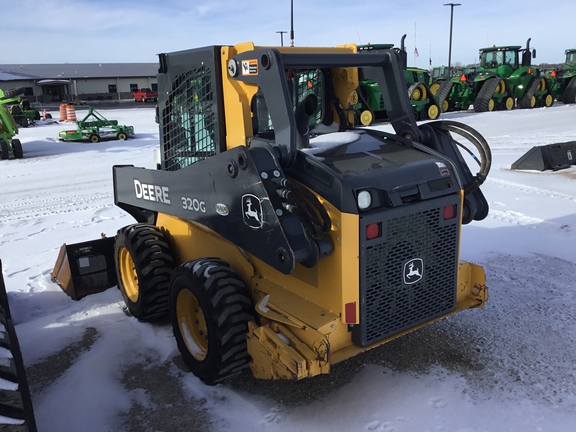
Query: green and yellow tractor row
{"type": "Point", "coordinates": [504, 79]}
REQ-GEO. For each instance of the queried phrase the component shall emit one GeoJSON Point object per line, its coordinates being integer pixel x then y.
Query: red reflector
{"type": "Point", "coordinates": [372, 231]}
{"type": "Point", "coordinates": [350, 313]}
{"type": "Point", "coordinates": [530, 71]}
{"type": "Point", "coordinates": [449, 212]}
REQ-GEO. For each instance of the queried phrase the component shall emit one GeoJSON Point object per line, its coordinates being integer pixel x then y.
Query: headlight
{"type": "Point", "coordinates": [364, 200]}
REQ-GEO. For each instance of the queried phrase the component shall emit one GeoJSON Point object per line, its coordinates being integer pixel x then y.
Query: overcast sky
{"type": "Point", "coordinates": [106, 31]}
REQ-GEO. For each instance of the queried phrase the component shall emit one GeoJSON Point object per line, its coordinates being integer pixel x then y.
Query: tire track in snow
{"type": "Point", "coordinates": [531, 189]}
{"type": "Point", "coordinates": [41, 207]}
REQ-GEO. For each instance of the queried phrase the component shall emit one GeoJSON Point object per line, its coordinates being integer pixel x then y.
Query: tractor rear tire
{"type": "Point", "coordinates": [4, 150]}
{"type": "Point", "coordinates": [484, 101]}
{"type": "Point", "coordinates": [417, 92]}
{"type": "Point", "coordinates": [528, 100]}
{"type": "Point", "coordinates": [144, 265]}
{"type": "Point", "coordinates": [210, 310]}
{"type": "Point", "coordinates": [17, 149]}
{"type": "Point", "coordinates": [442, 93]}
{"type": "Point", "coordinates": [15, 401]}
{"type": "Point", "coordinates": [569, 95]}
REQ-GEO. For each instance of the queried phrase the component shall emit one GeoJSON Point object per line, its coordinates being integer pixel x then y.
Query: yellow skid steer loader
{"type": "Point", "coordinates": [275, 234]}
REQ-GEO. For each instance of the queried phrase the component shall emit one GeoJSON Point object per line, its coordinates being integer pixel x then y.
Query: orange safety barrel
{"type": "Point", "coordinates": [63, 110]}
{"type": "Point", "coordinates": [71, 113]}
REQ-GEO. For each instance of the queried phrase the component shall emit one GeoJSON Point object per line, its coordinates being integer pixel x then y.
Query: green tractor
{"type": "Point", "coordinates": [8, 128]}
{"type": "Point", "coordinates": [563, 80]}
{"type": "Point", "coordinates": [369, 102]}
{"type": "Point", "coordinates": [504, 78]}
{"type": "Point", "coordinates": [23, 112]}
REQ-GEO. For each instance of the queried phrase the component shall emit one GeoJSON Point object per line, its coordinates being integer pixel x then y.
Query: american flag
{"type": "Point", "coordinates": [416, 52]}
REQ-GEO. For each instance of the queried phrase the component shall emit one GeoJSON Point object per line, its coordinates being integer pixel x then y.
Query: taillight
{"type": "Point", "coordinates": [350, 313]}
{"type": "Point", "coordinates": [373, 231]}
{"type": "Point", "coordinates": [449, 212]}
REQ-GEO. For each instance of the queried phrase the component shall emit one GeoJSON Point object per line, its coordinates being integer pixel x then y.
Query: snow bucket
{"type": "Point", "coordinates": [85, 268]}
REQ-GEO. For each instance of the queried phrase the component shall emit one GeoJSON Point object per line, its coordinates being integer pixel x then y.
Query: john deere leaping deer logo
{"type": "Point", "coordinates": [413, 271]}
{"type": "Point", "coordinates": [252, 211]}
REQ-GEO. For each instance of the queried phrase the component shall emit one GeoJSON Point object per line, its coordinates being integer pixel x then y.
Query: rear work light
{"type": "Point", "coordinates": [373, 231]}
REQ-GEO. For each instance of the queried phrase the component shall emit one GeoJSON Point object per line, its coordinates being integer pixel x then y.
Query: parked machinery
{"type": "Point", "coordinates": [8, 127]}
{"type": "Point", "coordinates": [275, 234]}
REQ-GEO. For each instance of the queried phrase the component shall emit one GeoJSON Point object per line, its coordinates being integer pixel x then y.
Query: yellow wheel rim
{"type": "Point", "coordinates": [445, 106]}
{"type": "Point", "coordinates": [509, 103]}
{"type": "Point", "coordinates": [419, 93]}
{"type": "Point", "coordinates": [549, 100]}
{"type": "Point", "coordinates": [433, 112]}
{"type": "Point", "coordinates": [355, 97]}
{"type": "Point", "coordinates": [434, 88]}
{"type": "Point", "coordinates": [94, 139]}
{"type": "Point", "coordinates": [491, 105]}
{"type": "Point", "coordinates": [128, 274]}
{"type": "Point", "coordinates": [366, 118]}
{"type": "Point", "coordinates": [541, 85]}
{"type": "Point", "coordinates": [192, 324]}
{"type": "Point", "coordinates": [501, 87]}
{"type": "Point", "coordinates": [532, 101]}
{"type": "Point", "coordinates": [121, 136]}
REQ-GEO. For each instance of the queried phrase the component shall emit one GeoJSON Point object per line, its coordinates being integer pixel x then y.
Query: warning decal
{"type": "Point", "coordinates": [250, 67]}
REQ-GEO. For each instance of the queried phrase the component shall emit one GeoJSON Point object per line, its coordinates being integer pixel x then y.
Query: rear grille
{"type": "Point", "coordinates": [418, 235]}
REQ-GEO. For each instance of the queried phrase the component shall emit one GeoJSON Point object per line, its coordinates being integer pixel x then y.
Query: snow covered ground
{"type": "Point", "coordinates": [510, 366]}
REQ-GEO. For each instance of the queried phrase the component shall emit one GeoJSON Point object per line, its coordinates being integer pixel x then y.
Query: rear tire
{"type": "Point", "coordinates": [442, 94]}
{"type": "Point", "coordinates": [569, 95]}
{"type": "Point", "coordinates": [122, 136]}
{"type": "Point", "coordinates": [144, 266]}
{"type": "Point", "coordinates": [17, 149]}
{"type": "Point", "coordinates": [94, 138]}
{"type": "Point", "coordinates": [528, 100]}
{"type": "Point", "coordinates": [210, 310]}
{"type": "Point", "coordinates": [484, 101]}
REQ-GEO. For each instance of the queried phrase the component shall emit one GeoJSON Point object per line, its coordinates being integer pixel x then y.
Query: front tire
{"type": "Point", "coordinates": [210, 310]}
{"type": "Point", "coordinates": [17, 149]}
{"type": "Point", "coordinates": [144, 266]}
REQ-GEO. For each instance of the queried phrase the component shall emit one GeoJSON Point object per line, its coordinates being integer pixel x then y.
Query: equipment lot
{"type": "Point", "coordinates": [91, 367]}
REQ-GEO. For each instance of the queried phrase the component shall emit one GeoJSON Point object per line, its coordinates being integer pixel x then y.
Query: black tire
{"type": "Point", "coordinates": [484, 101]}
{"type": "Point", "coordinates": [94, 138]}
{"type": "Point", "coordinates": [442, 93]}
{"type": "Point", "coordinates": [4, 150]}
{"type": "Point", "coordinates": [22, 122]}
{"type": "Point", "coordinates": [528, 100]}
{"type": "Point", "coordinates": [15, 401]}
{"type": "Point", "coordinates": [48, 116]}
{"type": "Point", "coordinates": [569, 95]}
{"type": "Point", "coordinates": [17, 149]}
{"type": "Point", "coordinates": [144, 266]}
{"type": "Point", "coordinates": [14, 92]}
{"type": "Point", "coordinates": [210, 304]}
{"type": "Point", "coordinates": [122, 136]}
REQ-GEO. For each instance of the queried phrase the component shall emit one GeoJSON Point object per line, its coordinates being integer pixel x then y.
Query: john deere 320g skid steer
{"type": "Point", "coordinates": [274, 234]}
